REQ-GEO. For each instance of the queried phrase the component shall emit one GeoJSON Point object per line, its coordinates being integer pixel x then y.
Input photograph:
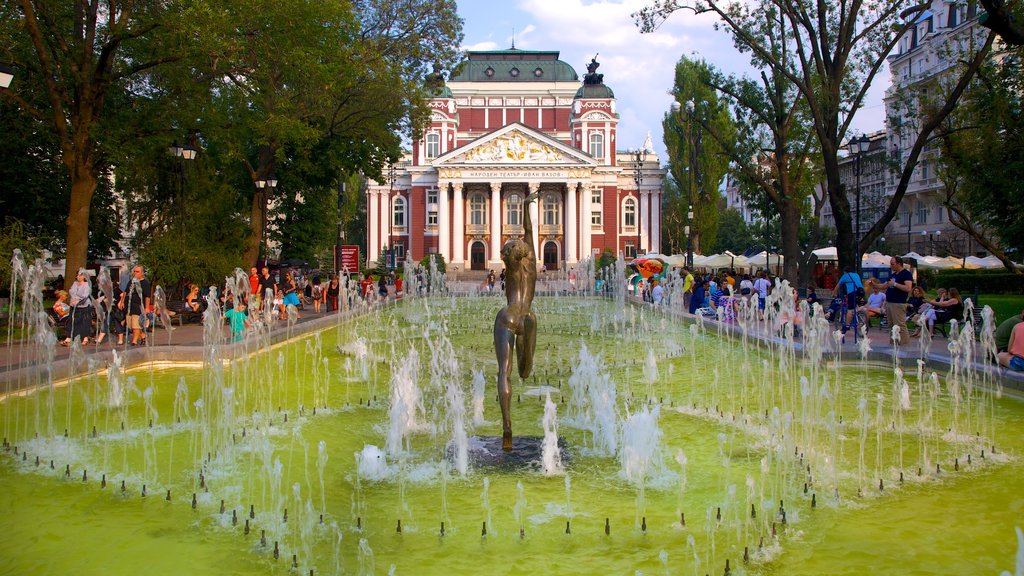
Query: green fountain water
{"type": "Point", "coordinates": [738, 449]}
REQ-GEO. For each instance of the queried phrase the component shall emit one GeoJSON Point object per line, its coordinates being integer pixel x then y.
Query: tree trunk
{"type": "Point", "coordinates": [260, 199]}
{"type": "Point", "coordinates": [257, 226]}
{"type": "Point", "coordinates": [83, 185]}
{"type": "Point", "coordinates": [696, 243]}
{"type": "Point", "coordinates": [790, 231]}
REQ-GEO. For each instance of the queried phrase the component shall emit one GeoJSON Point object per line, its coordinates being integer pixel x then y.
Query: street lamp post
{"type": "Point", "coordinates": [265, 185]}
{"type": "Point", "coordinates": [693, 175]}
{"type": "Point", "coordinates": [340, 238]}
{"type": "Point", "coordinates": [182, 154]}
{"type": "Point", "coordinates": [639, 157]}
{"type": "Point", "coordinates": [858, 146]}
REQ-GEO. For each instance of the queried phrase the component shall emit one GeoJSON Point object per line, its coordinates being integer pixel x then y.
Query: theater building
{"type": "Point", "coordinates": [506, 124]}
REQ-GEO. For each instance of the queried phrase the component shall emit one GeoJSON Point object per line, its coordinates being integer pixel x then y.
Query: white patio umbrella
{"type": "Point", "coordinates": [763, 260]}
{"type": "Point", "coordinates": [717, 261]}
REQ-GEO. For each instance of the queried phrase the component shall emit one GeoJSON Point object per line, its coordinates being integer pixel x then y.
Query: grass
{"type": "Point", "coordinates": [1004, 305]}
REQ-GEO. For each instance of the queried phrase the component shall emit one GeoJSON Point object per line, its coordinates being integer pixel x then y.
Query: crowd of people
{"type": "Point", "coordinates": [132, 311]}
{"type": "Point", "coordinates": [892, 303]}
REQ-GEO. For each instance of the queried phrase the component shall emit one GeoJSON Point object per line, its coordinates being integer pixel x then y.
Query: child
{"type": "Point", "coordinates": [239, 321]}
{"type": "Point", "coordinates": [317, 294]}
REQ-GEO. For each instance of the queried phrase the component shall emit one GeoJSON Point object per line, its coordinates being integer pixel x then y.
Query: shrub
{"type": "Point", "coordinates": [987, 281]}
{"type": "Point", "coordinates": [438, 259]}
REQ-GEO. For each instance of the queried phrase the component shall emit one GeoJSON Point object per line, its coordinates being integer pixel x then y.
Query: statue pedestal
{"type": "Point", "coordinates": [526, 454]}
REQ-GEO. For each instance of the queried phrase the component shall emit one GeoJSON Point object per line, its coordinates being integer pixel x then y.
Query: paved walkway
{"type": "Point", "coordinates": [20, 365]}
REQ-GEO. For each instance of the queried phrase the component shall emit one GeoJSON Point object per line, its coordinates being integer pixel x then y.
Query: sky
{"type": "Point", "coordinates": [638, 67]}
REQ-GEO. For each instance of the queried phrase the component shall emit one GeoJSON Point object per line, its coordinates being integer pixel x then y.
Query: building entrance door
{"type": "Point", "coordinates": [476, 256]}
{"type": "Point", "coordinates": [551, 256]}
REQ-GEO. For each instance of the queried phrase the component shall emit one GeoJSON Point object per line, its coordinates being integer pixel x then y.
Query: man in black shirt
{"type": "Point", "coordinates": [897, 290]}
{"type": "Point", "coordinates": [136, 301]}
{"type": "Point", "coordinates": [267, 282]}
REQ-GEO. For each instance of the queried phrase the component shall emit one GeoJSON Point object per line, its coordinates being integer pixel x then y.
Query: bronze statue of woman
{"type": "Point", "coordinates": [515, 327]}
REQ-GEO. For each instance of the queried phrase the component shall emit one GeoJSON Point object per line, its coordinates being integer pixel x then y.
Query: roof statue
{"type": "Point", "coordinates": [592, 77]}
{"type": "Point", "coordinates": [648, 143]}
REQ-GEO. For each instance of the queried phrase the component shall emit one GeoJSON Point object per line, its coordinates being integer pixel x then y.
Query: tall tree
{"type": "Point", "coordinates": [981, 163]}
{"type": "Point", "coordinates": [837, 48]}
{"type": "Point", "coordinates": [342, 79]}
{"type": "Point", "coordinates": [697, 163]}
{"type": "Point", "coordinates": [69, 58]}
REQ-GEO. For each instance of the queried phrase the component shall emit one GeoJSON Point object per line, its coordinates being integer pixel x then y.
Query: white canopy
{"type": "Point", "coordinates": [677, 260]}
{"type": "Point", "coordinates": [875, 260]}
{"type": "Point", "coordinates": [716, 261]}
{"type": "Point", "coordinates": [987, 262]}
{"type": "Point", "coordinates": [936, 263]}
{"type": "Point", "coordinates": [830, 253]}
{"type": "Point", "coordinates": [761, 260]}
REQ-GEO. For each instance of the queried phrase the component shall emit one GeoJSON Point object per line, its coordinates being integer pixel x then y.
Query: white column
{"type": "Point", "coordinates": [571, 218]}
{"type": "Point", "coordinates": [656, 220]}
{"type": "Point", "coordinates": [586, 229]}
{"type": "Point", "coordinates": [459, 231]}
{"type": "Point", "coordinates": [373, 238]}
{"type": "Point", "coordinates": [408, 226]}
{"type": "Point", "coordinates": [389, 218]}
{"type": "Point", "coordinates": [495, 258]}
{"type": "Point", "coordinates": [645, 210]}
{"type": "Point", "coordinates": [444, 232]}
{"type": "Point", "coordinates": [534, 211]}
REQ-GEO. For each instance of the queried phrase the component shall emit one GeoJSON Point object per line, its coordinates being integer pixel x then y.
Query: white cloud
{"type": "Point", "coordinates": [485, 45]}
{"type": "Point", "coordinates": [640, 68]}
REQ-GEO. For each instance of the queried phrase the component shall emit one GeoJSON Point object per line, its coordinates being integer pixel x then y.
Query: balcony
{"type": "Point", "coordinates": [476, 229]}
{"type": "Point", "coordinates": [550, 229]}
{"type": "Point", "coordinates": [512, 230]}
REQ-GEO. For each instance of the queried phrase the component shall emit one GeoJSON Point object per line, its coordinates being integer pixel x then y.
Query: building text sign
{"type": "Point", "coordinates": [514, 174]}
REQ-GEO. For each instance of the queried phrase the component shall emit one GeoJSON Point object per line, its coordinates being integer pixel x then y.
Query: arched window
{"type": "Point", "coordinates": [398, 212]}
{"type": "Point", "coordinates": [629, 213]}
{"type": "Point", "coordinates": [552, 210]}
{"type": "Point", "coordinates": [433, 145]}
{"type": "Point", "coordinates": [597, 144]}
{"type": "Point", "coordinates": [477, 210]}
{"type": "Point", "coordinates": [514, 210]}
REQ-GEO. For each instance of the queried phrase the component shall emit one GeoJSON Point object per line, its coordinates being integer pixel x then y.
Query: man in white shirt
{"type": "Point", "coordinates": [657, 293]}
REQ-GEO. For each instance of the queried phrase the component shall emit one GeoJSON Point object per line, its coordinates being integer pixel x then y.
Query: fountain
{"type": "Point", "coordinates": [342, 452]}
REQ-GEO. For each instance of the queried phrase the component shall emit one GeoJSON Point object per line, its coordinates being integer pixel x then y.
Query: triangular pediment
{"type": "Point", "coordinates": [515, 145]}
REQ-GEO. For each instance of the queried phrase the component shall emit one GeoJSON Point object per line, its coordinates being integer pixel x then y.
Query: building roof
{"type": "Point", "coordinates": [513, 65]}
{"type": "Point", "coordinates": [595, 91]}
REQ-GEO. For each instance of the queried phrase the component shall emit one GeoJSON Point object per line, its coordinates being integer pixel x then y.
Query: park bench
{"type": "Point", "coordinates": [183, 313]}
{"type": "Point", "coordinates": [59, 325]}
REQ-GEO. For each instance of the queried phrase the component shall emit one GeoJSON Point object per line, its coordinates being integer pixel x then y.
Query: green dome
{"type": "Point", "coordinates": [594, 91]}
{"type": "Point", "coordinates": [513, 66]}
{"type": "Point", "coordinates": [439, 91]}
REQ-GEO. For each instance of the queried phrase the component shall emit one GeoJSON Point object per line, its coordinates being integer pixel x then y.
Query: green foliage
{"type": "Point", "coordinates": [187, 216]}
{"type": "Point", "coordinates": [734, 234]}
{"type": "Point", "coordinates": [606, 259]}
{"type": "Point", "coordinates": [991, 281]}
{"type": "Point", "coordinates": [982, 153]}
{"type": "Point", "coordinates": [14, 235]}
{"type": "Point", "coordinates": [438, 259]}
{"type": "Point", "coordinates": [696, 137]}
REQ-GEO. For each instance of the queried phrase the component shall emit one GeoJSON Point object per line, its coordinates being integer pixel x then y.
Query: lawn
{"type": "Point", "coordinates": [1004, 305]}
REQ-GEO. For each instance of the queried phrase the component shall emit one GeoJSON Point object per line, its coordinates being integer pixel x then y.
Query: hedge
{"type": "Point", "coordinates": [985, 281]}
